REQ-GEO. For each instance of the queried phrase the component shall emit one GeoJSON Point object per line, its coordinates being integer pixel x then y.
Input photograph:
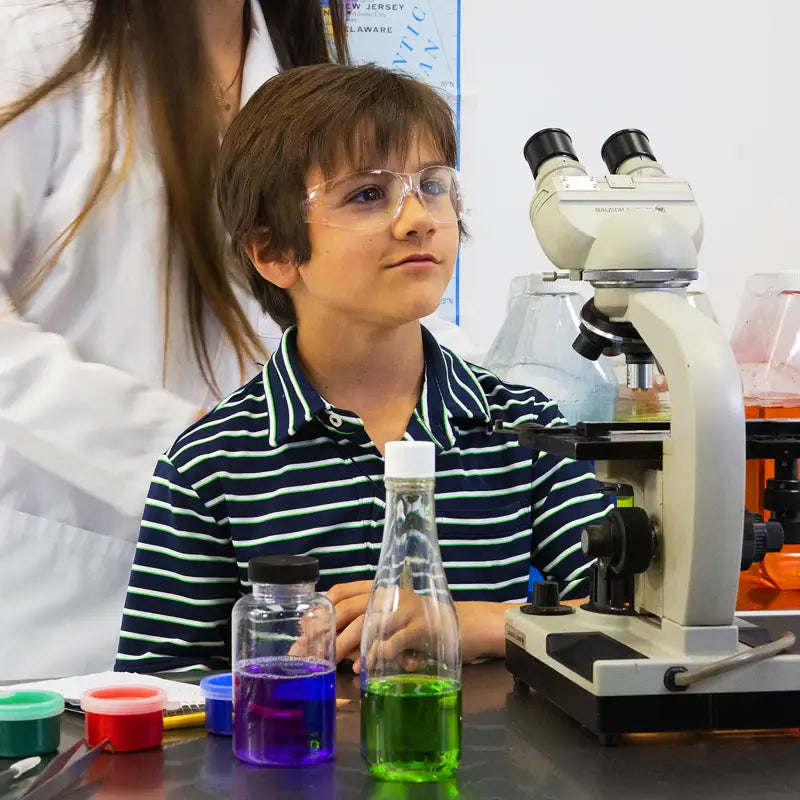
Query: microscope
{"type": "Point", "coordinates": [657, 647]}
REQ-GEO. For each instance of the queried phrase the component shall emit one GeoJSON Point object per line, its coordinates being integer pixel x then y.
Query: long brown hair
{"type": "Point", "coordinates": [160, 41]}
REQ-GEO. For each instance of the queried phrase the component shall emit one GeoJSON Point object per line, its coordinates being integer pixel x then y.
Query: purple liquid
{"type": "Point", "coordinates": [284, 711]}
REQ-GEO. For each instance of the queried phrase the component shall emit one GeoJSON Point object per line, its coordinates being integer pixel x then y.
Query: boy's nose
{"type": "Point", "coordinates": [413, 218]}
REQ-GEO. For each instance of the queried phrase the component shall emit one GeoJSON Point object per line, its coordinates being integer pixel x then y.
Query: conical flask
{"type": "Point", "coordinates": [410, 644]}
{"type": "Point", "coordinates": [534, 348]}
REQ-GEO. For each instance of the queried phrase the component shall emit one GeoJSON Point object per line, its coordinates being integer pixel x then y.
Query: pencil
{"type": "Point", "coordinates": [196, 720]}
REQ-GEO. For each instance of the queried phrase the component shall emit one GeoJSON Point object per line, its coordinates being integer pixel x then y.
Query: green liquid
{"type": "Point", "coordinates": [411, 728]}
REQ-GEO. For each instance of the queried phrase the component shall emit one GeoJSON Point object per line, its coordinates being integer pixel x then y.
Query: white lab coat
{"type": "Point", "coordinates": [85, 409]}
{"type": "Point", "coordinates": [84, 412]}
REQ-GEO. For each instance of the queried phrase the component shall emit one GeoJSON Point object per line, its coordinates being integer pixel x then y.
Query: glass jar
{"type": "Point", "coordinates": [284, 665]}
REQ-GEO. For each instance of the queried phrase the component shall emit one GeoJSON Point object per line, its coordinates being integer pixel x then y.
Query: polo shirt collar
{"type": "Point", "coordinates": [292, 401]}
{"type": "Point", "coordinates": [451, 393]}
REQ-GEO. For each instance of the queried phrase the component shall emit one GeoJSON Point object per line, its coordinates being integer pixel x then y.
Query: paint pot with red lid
{"type": "Point", "coordinates": [130, 717]}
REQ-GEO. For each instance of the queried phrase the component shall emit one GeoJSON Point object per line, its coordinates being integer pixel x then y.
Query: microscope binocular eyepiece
{"type": "Point", "coordinates": [547, 144]}
{"type": "Point", "coordinates": [616, 150]}
{"type": "Point", "coordinates": [584, 228]}
{"type": "Point", "coordinates": [623, 145]}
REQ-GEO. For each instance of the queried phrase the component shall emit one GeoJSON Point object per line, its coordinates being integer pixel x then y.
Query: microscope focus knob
{"type": "Point", "coordinates": [597, 541]}
{"type": "Point", "coordinates": [773, 537]}
{"type": "Point", "coordinates": [760, 538]}
{"type": "Point", "coordinates": [545, 594]}
{"type": "Point", "coordinates": [545, 601]}
{"type": "Point", "coordinates": [623, 541]}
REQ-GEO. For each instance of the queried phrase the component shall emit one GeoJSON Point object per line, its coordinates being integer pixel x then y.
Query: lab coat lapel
{"type": "Point", "coordinates": [260, 61]}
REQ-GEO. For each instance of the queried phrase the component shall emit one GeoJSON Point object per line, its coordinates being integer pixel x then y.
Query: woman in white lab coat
{"type": "Point", "coordinates": [118, 321]}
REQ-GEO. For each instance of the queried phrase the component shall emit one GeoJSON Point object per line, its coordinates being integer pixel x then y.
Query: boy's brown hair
{"type": "Point", "coordinates": [325, 116]}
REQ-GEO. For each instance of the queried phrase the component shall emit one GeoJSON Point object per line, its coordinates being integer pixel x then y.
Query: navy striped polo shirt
{"type": "Point", "coordinates": [276, 470]}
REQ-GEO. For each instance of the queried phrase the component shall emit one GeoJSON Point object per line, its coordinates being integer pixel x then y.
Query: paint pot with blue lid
{"type": "Point", "coordinates": [218, 692]}
{"type": "Point", "coordinates": [30, 723]}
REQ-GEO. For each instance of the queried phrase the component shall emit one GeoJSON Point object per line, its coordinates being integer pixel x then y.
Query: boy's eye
{"type": "Point", "coordinates": [433, 187]}
{"type": "Point", "coordinates": [369, 194]}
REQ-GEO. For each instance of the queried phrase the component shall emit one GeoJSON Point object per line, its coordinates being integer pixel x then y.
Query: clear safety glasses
{"type": "Point", "coordinates": [372, 200]}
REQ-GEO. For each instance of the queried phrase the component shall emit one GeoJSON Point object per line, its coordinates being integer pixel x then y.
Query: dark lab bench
{"type": "Point", "coordinates": [515, 745]}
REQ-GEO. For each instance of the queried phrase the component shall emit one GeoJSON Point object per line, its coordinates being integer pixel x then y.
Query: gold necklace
{"type": "Point", "coordinates": [220, 91]}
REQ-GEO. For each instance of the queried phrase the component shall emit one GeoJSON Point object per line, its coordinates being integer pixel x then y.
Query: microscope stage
{"type": "Point", "coordinates": [642, 441]}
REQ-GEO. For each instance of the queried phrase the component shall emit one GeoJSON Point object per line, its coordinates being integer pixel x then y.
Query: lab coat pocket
{"type": "Point", "coordinates": [61, 594]}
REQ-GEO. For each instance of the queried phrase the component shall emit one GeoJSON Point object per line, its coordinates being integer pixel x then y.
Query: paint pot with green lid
{"type": "Point", "coordinates": [30, 723]}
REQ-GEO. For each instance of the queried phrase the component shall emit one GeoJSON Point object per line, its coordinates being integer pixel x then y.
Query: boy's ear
{"type": "Point", "coordinates": [277, 268]}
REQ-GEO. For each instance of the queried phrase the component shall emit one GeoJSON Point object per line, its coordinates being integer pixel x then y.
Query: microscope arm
{"type": "Point", "coordinates": [704, 458]}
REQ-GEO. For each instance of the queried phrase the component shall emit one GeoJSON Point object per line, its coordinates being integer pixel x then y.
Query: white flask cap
{"type": "Point", "coordinates": [410, 460]}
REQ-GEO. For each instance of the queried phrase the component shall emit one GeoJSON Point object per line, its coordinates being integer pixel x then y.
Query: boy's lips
{"type": "Point", "coordinates": [421, 259]}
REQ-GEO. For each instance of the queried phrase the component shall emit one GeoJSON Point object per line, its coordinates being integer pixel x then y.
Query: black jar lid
{"type": "Point", "coordinates": [283, 569]}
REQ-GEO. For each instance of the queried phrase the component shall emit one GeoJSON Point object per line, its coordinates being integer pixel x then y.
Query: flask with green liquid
{"type": "Point", "coordinates": [410, 646]}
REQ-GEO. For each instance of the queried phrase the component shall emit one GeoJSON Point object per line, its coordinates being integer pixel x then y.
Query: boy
{"type": "Point", "coordinates": [337, 187]}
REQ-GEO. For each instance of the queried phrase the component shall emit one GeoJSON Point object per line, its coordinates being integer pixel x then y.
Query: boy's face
{"type": "Point", "coordinates": [385, 272]}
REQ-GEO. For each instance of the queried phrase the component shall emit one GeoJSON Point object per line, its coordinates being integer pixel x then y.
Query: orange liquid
{"type": "Point", "coordinates": [774, 582]}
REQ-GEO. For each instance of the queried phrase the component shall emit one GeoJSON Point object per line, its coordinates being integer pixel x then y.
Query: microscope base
{"type": "Point", "coordinates": [611, 689]}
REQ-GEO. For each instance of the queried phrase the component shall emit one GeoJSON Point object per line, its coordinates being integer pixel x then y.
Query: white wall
{"type": "Point", "coordinates": [712, 82]}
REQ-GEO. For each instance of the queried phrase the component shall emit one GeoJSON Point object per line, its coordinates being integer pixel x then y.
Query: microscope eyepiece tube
{"type": "Point", "coordinates": [544, 145]}
{"type": "Point", "coordinates": [625, 144]}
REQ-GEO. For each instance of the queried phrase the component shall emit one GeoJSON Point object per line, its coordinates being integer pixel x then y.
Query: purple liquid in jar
{"type": "Point", "coordinates": [284, 711]}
